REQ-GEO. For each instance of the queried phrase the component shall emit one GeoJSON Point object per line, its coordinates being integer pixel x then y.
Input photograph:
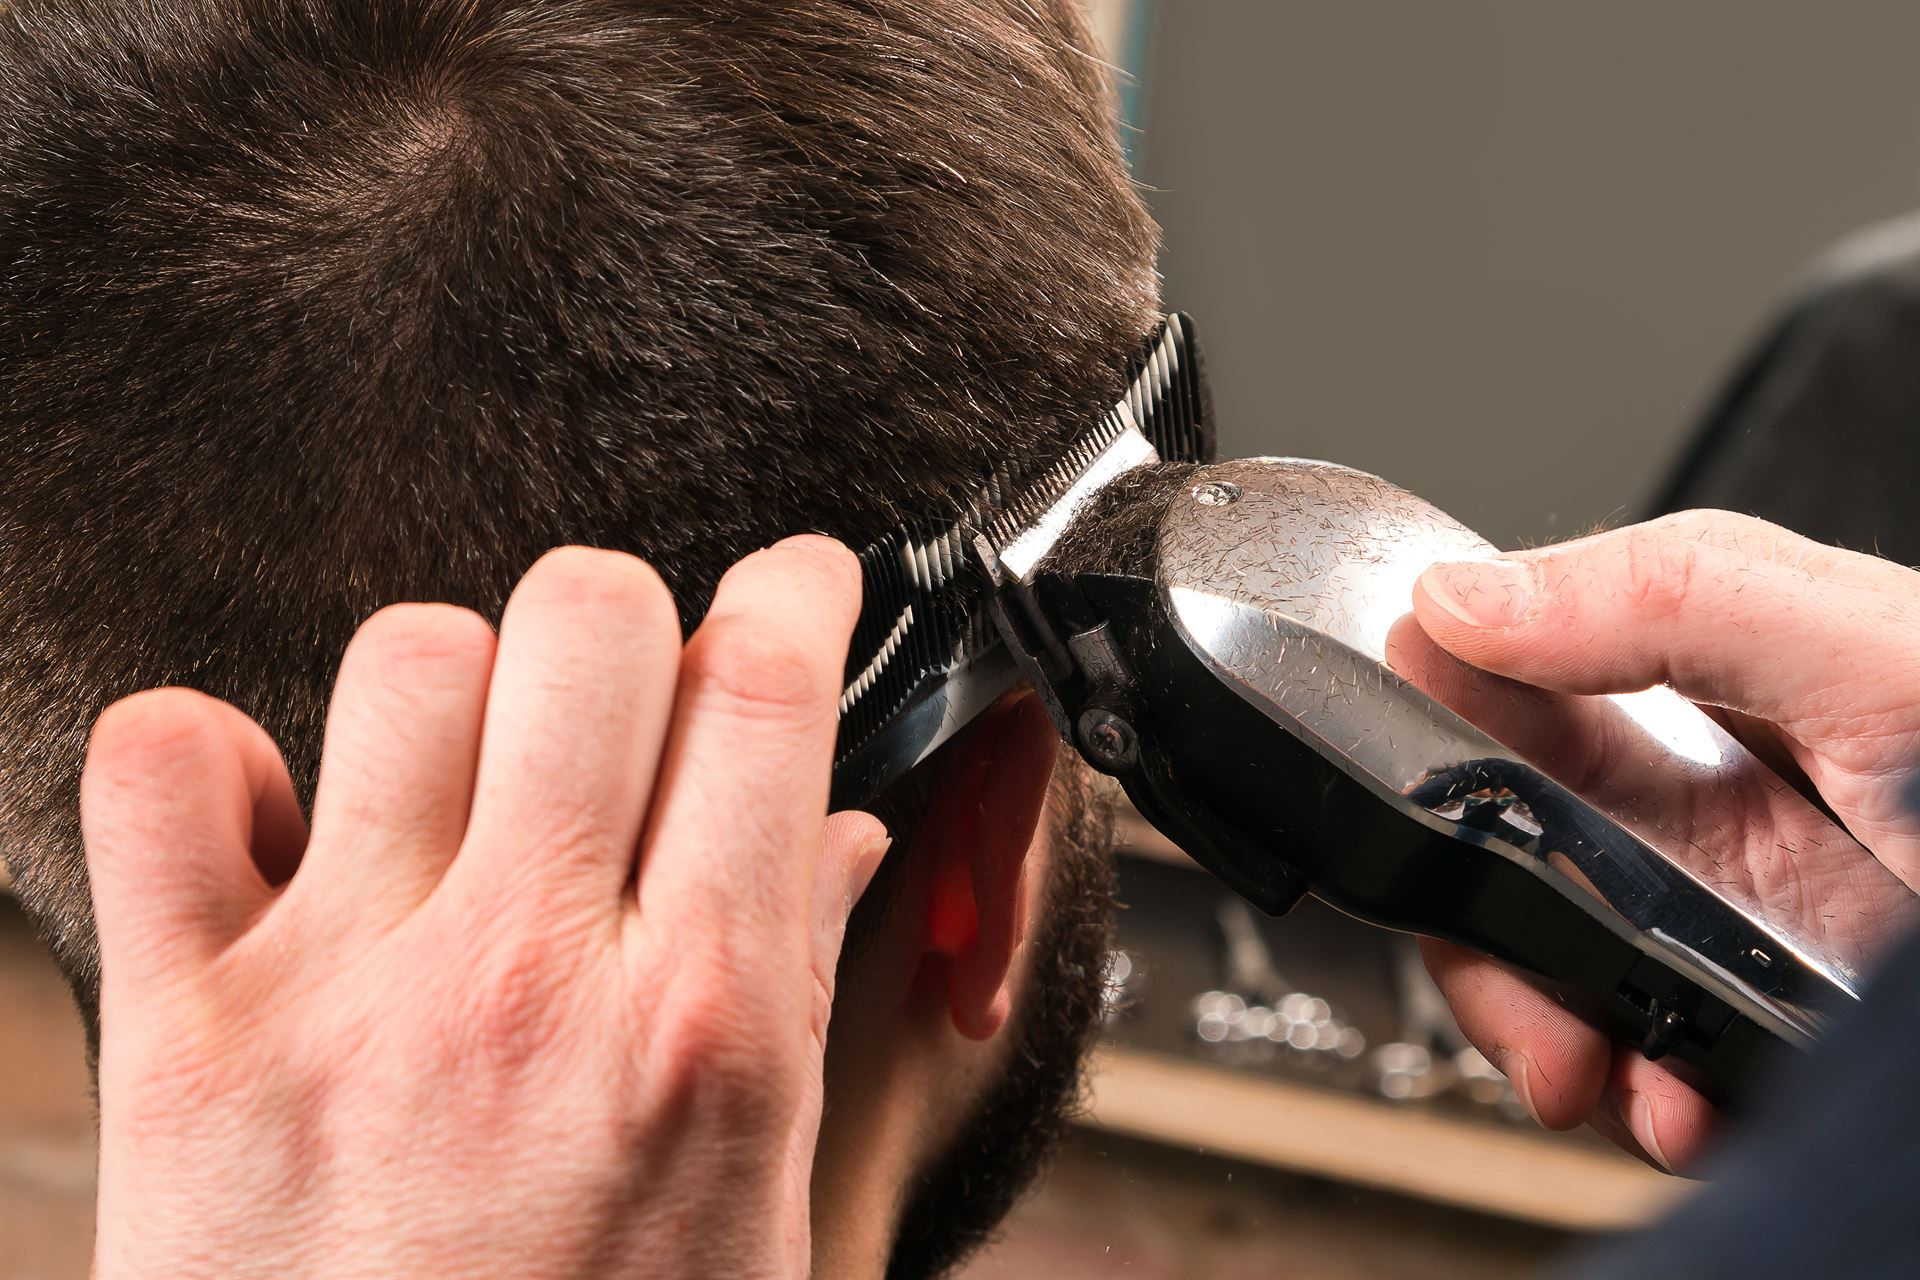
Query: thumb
{"type": "Point", "coordinates": [1728, 610]}
{"type": "Point", "coordinates": [853, 846]}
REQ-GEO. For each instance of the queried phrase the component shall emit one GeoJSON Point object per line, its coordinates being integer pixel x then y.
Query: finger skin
{"type": "Point", "coordinates": [397, 771]}
{"type": "Point", "coordinates": [1721, 607]}
{"type": "Point", "coordinates": [1558, 1064]}
{"type": "Point", "coordinates": [1739, 614]}
{"type": "Point", "coordinates": [738, 855]}
{"type": "Point", "coordinates": [1565, 1072]}
{"type": "Point", "coordinates": [1749, 835]}
{"type": "Point", "coordinates": [1672, 1125]}
{"type": "Point", "coordinates": [852, 846]}
{"type": "Point", "coordinates": [1729, 611]}
{"type": "Point", "coordinates": [733, 842]}
{"type": "Point", "coordinates": [182, 800]}
{"type": "Point", "coordinates": [290, 1107]}
{"type": "Point", "coordinates": [577, 709]}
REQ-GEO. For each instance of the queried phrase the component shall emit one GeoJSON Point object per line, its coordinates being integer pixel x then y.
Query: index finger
{"type": "Point", "coordinates": [1765, 622]}
{"type": "Point", "coordinates": [733, 839]}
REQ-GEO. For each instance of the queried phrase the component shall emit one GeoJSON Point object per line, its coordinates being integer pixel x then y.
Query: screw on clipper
{"type": "Point", "coordinates": [1109, 741]}
{"type": "Point", "coordinates": [1216, 493]}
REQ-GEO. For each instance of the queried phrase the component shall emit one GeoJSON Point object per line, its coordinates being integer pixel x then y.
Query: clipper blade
{"type": "Point", "coordinates": [925, 658]}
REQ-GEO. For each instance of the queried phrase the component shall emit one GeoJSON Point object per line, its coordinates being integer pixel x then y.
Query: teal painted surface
{"type": "Point", "coordinates": [1134, 53]}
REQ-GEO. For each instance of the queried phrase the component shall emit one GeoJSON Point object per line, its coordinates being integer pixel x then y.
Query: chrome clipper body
{"type": "Point", "coordinates": [1231, 642]}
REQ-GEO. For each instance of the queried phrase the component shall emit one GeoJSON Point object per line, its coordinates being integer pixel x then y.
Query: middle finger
{"type": "Point", "coordinates": [578, 707]}
{"type": "Point", "coordinates": [733, 843]}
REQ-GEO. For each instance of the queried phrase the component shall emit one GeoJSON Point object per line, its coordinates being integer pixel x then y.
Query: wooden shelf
{"type": "Point", "coordinates": [1532, 1177]}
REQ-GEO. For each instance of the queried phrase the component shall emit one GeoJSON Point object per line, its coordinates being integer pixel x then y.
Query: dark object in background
{"type": "Point", "coordinates": [1820, 432]}
{"type": "Point", "coordinates": [1819, 1184]}
{"type": "Point", "coordinates": [1820, 429]}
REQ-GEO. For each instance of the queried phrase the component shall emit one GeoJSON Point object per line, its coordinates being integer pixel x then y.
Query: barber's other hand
{"type": "Point", "coordinates": [548, 990]}
{"type": "Point", "coordinates": [1813, 652]}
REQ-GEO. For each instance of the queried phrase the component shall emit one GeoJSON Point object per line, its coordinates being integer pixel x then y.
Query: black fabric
{"type": "Point", "coordinates": [1820, 431]}
{"type": "Point", "coordinates": [1822, 1182]}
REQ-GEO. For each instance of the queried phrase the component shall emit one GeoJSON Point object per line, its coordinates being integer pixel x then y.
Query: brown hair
{"type": "Point", "coordinates": [308, 306]}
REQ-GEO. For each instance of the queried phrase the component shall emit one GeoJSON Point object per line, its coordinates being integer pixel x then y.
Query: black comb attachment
{"type": "Point", "coordinates": [925, 657]}
{"type": "Point", "coordinates": [919, 619]}
{"type": "Point", "coordinates": [1167, 394]}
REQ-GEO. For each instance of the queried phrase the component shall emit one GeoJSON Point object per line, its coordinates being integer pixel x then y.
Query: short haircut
{"type": "Point", "coordinates": [310, 306]}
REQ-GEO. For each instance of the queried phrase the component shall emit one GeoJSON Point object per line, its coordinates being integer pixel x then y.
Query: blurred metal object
{"type": "Point", "coordinates": [1258, 1018]}
{"type": "Point", "coordinates": [1249, 959]}
{"type": "Point", "coordinates": [1408, 1070]}
{"type": "Point", "coordinates": [1482, 1082]}
{"type": "Point", "coordinates": [1433, 1057]}
{"type": "Point", "coordinates": [1122, 984]}
{"type": "Point", "coordinates": [1262, 1018]}
{"type": "Point", "coordinates": [1419, 1064]}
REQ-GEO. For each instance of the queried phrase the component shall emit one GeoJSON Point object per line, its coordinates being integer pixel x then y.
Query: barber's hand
{"type": "Point", "coordinates": [1814, 653]}
{"type": "Point", "coordinates": [548, 992]}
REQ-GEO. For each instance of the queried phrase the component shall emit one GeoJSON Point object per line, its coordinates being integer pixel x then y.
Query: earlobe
{"type": "Point", "coordinates": [980, 828]}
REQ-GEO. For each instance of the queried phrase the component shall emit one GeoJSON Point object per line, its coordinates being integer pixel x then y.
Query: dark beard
{"type": "Point", "coordinates": [957, 1202]}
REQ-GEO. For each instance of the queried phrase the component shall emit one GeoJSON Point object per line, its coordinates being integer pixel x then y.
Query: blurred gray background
{"type": "Point", "coordinates": [1503, 251]}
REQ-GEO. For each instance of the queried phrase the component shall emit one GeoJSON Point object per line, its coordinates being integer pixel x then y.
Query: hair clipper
{"type": "Point", "coordinates": [1231, 641]}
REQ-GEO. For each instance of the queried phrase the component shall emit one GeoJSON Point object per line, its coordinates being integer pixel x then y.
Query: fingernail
{"type": "Point", "coordinates": [1640, 1123]}
{"type": "Point", "coordinates": [865, 866]}
{"type": "Point", "coordinates": [1513, 1066]}
{"type": "Point", "coordinates": [1483, 593]}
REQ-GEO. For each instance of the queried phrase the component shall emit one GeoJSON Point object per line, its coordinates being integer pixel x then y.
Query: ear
{"type": "Point", "coordinates": [979, 827]}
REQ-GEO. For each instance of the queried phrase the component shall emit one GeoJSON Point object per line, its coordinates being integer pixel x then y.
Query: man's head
{"type": "Point", "coordinates": [309, 306]}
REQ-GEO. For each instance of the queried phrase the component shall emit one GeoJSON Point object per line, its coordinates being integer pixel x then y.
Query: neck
{"type": "Point", "coordinates": [856, 1200]}
{"type": "Point", "coordinates": [889, 1109]}
{"type": "Point", "coordinates": [872, 1135]}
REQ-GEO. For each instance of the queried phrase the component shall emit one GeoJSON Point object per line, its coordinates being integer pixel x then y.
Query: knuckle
{"type": "Point", "coordinates": [405, 640]}
{"type": "Point", "coordinates": [713, 1049]}
{"type": "Point", "coordinates": [1660, 568]}
{"type": "Point", "coordinates": [513, 1009]}
{"type": "Point", "coordinates": [757, 670]}
{"type": "Point", "coordinates": [1696, 522]}
{"type": "Point", "coordinates": [160, 733]}
{"type": "Point", "coordinates": [594, 578]}
{"type": "Point", "coordinates": [1732, 530]}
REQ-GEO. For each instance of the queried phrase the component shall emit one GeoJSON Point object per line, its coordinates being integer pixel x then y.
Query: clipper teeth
{"type": "Point", "coordinates": [1058, 478]}
{"type": "Point", "coordinates": [920, 618]}
{"type": "Point", "coordinates": [932, 564]}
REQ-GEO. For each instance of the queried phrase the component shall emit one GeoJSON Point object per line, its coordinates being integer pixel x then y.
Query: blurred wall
{"type": "Point", "coordinates": [1502, 251]}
